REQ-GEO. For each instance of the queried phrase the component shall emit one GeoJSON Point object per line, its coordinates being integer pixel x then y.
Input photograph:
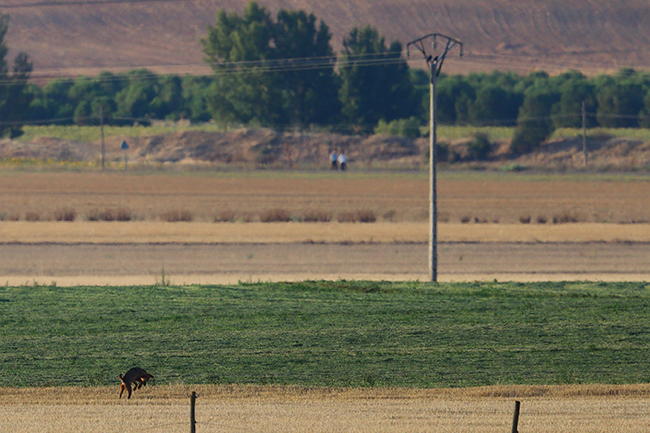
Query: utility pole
{"type": "Point", "coordinates": [101, 128]}
{"type": "Point", "coordinates": [584, 132]}
{"type": "Point", "coordinates": [434, 65]}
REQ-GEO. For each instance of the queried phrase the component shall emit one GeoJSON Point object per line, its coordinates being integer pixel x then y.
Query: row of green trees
{"type": "Point", "coordinates": [135, 96]}
{"type": "Point", "coordinates": [14, 98]}
{"type": "Point", "coordinates": [538, 103]}
{"type": "Point", "coordinates": [500, 98]}
{"type": "Point", "coordinates": [281, 71]}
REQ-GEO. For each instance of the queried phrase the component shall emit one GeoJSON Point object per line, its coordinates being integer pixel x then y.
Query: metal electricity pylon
{"type": "Point", "coordinates": [434, 64]}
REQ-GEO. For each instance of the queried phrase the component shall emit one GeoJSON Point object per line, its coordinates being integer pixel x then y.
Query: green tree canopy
{"type": "Point", "coordinates": [271, 72]}
{"type": "Point", "coordinates": [15, 97]}
{"type": "Point", "coordinates": [574, 89]}
{"type": "Point", "coordinates": [454, 97]}
{"type": "Point", "coordinates": [309, 81]}
{"type": "Point", "coordinates": [644, 115]}
{"type": "Point", "coordinates": [134, 100]}
{"type": "Point", "coordinates": [619, 104]}
{"type": "Point", "coordinates": [53, 102]}
{"type": "Point", "coordinates": [534, 123]}
{"type": "Point", "coordinates": [194, 92]}
{"type": "Point", "coordinates": [375, 81]}
{"type": "Point", "coordinates": [494, 105]}
{"type": "Point", "coordinates": [238, 49]}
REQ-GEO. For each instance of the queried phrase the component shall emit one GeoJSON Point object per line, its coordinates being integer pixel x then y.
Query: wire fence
{"type": "Point", "coordinates": [381, 414]}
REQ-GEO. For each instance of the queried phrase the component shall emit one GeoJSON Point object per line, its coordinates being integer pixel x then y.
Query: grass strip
{"type": "Point", "coordinates": [445, 132]}
{"type": "Point", "coordinates": [340, 333]}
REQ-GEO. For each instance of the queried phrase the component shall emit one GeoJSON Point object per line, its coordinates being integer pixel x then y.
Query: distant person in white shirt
{"type": "Point", "coordinates": [333, 159]}
{"type": "Point", "coordinates": [342, 161]}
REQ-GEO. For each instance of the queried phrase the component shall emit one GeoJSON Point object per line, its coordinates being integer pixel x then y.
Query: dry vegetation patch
{"type": "Point", "coordinates": [275, 215]}
{"type": "Point", "coordinates": [225, 216]}
{"type": "Point", "coordinates": [278, 393]}
{"type": "Point", "coordinates": [65, 214]}
{"type": "Point", "coordinates": [173, 216]}
{"type": "Point", "coordinates": [312, 216]}
{"type": "Point", "coordinates": [141, 232]}
{"type": "Point", "coordinates": [595, 408]}
{"type": "Point", "coordinates": [121, 214]}
{"type": "Point", "coordinates": [360, 216]}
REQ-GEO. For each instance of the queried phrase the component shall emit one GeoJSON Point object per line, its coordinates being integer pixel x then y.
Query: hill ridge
{"type": "Point", "coordinates": [591, 35]}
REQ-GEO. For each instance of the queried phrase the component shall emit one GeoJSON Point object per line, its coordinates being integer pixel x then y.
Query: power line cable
{"type": "Point", "coordinates": [245, 67]}
{"type": "Point", "coordinates": [325, 61]}
{"type": "Point", "coordinates": [315, 62]}
{"type": "Point", "coordinates": [84, 3]}
{"type": "Point", "coordinates": [510, 122]}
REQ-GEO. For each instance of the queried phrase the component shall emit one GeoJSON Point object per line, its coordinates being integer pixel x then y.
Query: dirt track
{"type": "Point", "coordinates": [66, 264]}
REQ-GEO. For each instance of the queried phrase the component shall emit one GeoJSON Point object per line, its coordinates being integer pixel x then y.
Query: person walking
{"type": "Point", "coordinates": [333, 159]}
{"type": "Point", "coordinates": [343, 161]}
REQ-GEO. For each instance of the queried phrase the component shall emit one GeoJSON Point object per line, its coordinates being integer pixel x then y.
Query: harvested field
{"type": "Point", "coordinates": [156, 232]}
{"type": "Point", "coordinates": [133, 264]}
{"type": "Point", "coordinates": [395, 197]}
{"type": "Point", "coordinates": [140, 249]}
{"type": "Point", "coordinates": [558, 409]}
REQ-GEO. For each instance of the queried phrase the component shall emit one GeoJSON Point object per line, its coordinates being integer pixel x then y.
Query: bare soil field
{"type": "Point", "coordinates": [592, 35]}
{"type": "Point", "coordinates": [394, 197]}
{"type": "Point", "coordinates": [492, 244]}
{"type": "Point", "coordinates": [179, 263]}
{"type": "Point", "coordinates": [560, 409]}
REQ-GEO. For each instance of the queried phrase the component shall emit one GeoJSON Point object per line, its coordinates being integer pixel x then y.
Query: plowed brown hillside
{"type": "Point", "coordinates": [591, 35]}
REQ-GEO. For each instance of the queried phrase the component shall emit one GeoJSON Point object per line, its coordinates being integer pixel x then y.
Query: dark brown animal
{"type": "Point", "coordinates": [136, 377]}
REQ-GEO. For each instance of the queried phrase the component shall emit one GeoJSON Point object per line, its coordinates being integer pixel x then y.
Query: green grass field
{"type": "Point", "coordinates": [328, 334]}
{"type": "Point", "coordinates": [93, 133]}
{"type": "Point", "coordinates": [445, 132]}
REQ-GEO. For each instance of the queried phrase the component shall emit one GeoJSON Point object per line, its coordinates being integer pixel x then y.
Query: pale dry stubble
{"type": "Point", "coordinates": [238, 408]}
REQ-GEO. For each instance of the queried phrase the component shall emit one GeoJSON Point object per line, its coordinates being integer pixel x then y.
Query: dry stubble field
{"type": "Point", "coordinates": [557, 409]}
{"type": "Point", "coordinates": [396, 197]}
{"type": "Point", "coordinates": [493, 244]}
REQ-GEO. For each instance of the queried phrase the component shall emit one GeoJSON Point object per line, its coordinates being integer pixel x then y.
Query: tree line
{"type": "Point", "coordinates": [282, 72]}
{"type": "Point", "coordinates": [537, 103]}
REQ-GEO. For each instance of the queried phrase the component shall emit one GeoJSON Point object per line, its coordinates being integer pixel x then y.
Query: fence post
{"type": "Point", "coordinates": [515, 419]}
{"type": "Point", "coordinates": [192, 417]}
